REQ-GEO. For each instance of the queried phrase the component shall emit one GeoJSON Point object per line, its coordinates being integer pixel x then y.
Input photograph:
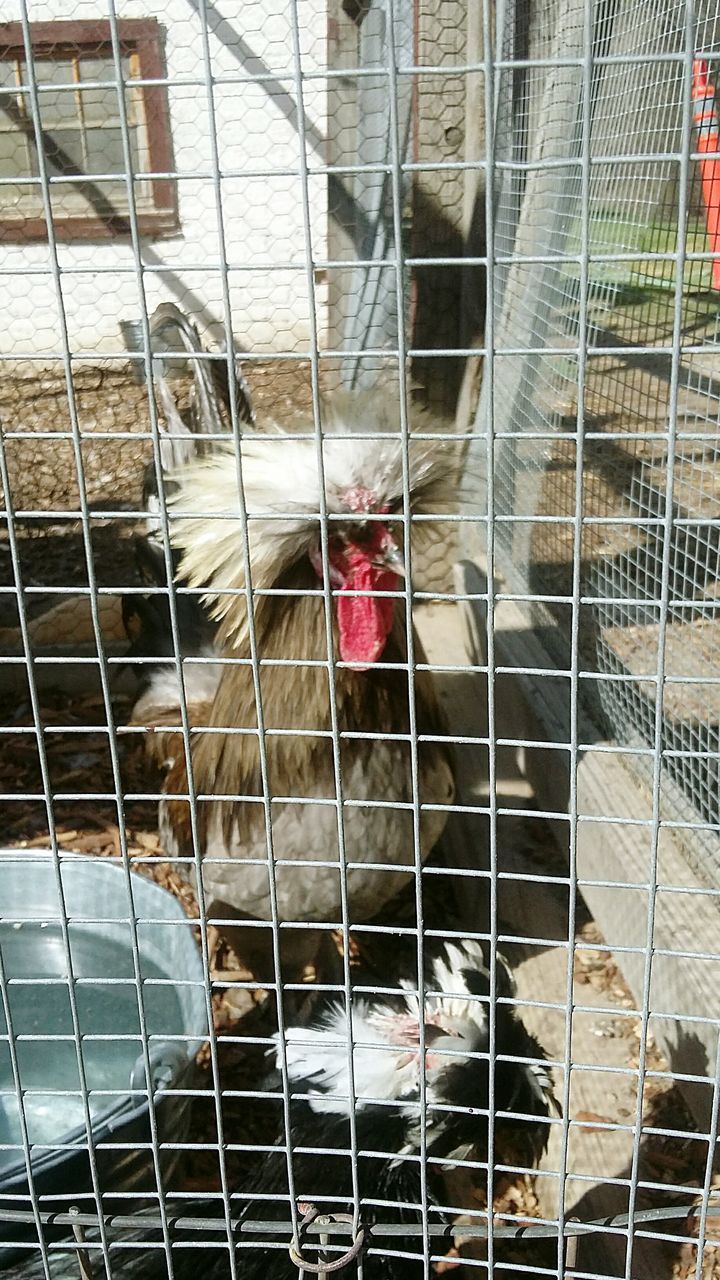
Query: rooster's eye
{"type": "Point", "coordinates": [360, 534]}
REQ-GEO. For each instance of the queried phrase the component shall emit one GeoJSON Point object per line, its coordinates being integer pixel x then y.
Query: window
{"type": "Point", "coordinates": [81, 131]}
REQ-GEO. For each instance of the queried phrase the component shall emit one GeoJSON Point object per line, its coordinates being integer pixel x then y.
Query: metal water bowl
{"type": "Point", "coordinates": [103, 1012]}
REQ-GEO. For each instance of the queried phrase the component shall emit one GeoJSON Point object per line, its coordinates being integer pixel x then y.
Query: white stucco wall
{"type": "Point", "coordinates": [264, 233]}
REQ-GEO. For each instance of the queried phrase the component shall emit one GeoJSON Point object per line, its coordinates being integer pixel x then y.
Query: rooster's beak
{"type": "Point", "coordinates": [391, 558]}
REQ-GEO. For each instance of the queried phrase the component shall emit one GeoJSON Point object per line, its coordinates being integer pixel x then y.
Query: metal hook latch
{"type": "Point", "coordinates": [319, 1268]}
{"type": "Point", "coordinates": [83, 1255]}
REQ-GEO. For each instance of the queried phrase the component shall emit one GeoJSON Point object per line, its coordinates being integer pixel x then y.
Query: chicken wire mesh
{"type": "Point", "coordinates": [401, 996]}
{"type": "Point", "coordinates": [631, 187]}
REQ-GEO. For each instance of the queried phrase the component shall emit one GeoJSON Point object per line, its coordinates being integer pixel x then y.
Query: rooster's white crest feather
{"type": "Point", "coordinates": [281, 485]}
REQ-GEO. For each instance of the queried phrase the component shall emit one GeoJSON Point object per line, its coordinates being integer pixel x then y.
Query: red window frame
{"type": "Point", "coordinates": [144, 38]}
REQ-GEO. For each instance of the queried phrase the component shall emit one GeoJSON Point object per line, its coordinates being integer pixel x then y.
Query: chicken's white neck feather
{"type": "Point", "coordinates": [385, 1066]}
{"type": "Point", "coordinates": [317, 1057]}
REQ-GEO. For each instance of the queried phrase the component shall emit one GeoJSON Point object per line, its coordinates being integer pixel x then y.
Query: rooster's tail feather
{"type": "Point", "coordinates": [147, 620]}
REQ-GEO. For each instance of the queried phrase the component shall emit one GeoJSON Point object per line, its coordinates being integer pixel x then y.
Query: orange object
{"type": "Point", "coordinates": [707, 128]}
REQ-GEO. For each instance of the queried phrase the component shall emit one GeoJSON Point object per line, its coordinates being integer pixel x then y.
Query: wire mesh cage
{"type": "Point", "coordinates": [595, 219]}
{"type": "Point", "coordinates": [358, 890]}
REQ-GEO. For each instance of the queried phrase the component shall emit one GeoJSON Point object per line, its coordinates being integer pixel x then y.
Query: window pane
{"type": "Point", "coordinates": [56, 107]}
{"type": "Point", "coordinates": [85, 125]}
{"type": "Point", "coordinates": [14, 162]}
{"type": "Point", "coordinates": [102, 68]}
{"type": "Point", "coordinates": [70, 141]}
{"type": "Point", "coordinates": [104, 149]}
{"type": "Point", "coordinates": [49, 71]}
{"type": "Point", "coordinates": [101, 105]}
{"type": "Point", "coordinates": [8, 80]}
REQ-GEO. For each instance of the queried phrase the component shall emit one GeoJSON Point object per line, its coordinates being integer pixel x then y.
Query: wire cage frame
{"type": "Point", "coordinates": [397, 198]}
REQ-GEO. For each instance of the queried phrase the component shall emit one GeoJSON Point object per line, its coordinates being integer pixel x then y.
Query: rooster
{"type": "Point", "coordinates": [366, 691]}
{"type": "Point", "coordinates": [385, 1095]}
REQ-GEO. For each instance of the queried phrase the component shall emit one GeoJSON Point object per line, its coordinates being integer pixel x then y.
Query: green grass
{"type": "Point", "coordinates": [610, 234]}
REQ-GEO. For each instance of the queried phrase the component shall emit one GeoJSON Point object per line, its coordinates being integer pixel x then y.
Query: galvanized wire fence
{"type": "Point", "coordinates": [332, 196]}
{"type": "Point", "coordinates": [617, 215]}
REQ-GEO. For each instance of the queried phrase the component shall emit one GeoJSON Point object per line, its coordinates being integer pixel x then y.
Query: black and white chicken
{"type": "Point", "coordinates": [388, 1066]}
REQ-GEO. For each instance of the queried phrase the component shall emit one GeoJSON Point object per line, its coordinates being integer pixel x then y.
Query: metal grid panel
{"type": "Point", "coordinates": [638, 94]}
{"type": "Point", "coordinates": [561, 113]}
